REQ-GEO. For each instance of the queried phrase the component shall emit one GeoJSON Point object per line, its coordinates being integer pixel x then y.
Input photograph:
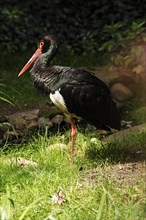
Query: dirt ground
{"type": "Point", "coordinates": [127, 174]}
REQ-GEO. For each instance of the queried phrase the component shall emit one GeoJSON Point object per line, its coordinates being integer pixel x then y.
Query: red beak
{"type": "Point", "coordinates": [37, 53]}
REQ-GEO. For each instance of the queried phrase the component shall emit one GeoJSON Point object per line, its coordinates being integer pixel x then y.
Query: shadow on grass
{"type": "Point", "coordinates": [133, 149]}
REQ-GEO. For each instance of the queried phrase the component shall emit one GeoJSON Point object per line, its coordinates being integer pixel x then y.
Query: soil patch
{"type": "Point", "coordinates": [123, 174]}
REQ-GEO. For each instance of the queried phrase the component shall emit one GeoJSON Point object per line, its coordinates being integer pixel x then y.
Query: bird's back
{"type": "Point", "coordinates": [84, 95]}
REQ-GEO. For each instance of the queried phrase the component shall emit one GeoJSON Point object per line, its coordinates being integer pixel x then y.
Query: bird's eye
{"type": "Point", "coordinates": [41, 44]}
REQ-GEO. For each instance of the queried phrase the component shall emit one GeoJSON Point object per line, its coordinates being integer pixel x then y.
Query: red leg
{"type": "Point", "coordinates": [73, 136]}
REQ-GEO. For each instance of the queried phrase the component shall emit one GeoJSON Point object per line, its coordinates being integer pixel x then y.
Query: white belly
{"type": "Point", "coordinates": [58, 100]}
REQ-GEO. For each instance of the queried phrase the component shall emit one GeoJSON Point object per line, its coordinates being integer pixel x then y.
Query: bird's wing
{"type": "Point", "coordinates": [90, 102]}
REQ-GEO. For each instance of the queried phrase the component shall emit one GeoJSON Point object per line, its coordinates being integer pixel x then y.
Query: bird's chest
{"type": "Point", "coordinates": [59, 101]}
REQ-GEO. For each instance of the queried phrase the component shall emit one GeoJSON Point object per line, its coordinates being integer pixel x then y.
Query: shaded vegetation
{"type": "Point", "coordinates": [76, 23]}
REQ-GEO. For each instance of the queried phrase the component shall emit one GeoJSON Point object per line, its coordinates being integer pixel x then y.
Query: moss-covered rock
{"type": "Point", "coordinates": [139, 115]}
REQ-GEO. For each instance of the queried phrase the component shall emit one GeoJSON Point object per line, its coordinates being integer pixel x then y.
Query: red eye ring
{"type": "Point", "coordinates": [41, 44]}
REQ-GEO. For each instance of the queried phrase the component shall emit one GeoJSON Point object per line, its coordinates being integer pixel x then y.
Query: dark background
{"type": "Point", "coordinates": [78, 24]}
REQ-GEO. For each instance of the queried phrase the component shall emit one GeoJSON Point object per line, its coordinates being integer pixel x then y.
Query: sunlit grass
{"type": "Point", "coordinates": [26, 192]}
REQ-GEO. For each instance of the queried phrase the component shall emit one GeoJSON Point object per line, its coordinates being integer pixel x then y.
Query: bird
{"type": "Point", "coordinates": [76, 92]}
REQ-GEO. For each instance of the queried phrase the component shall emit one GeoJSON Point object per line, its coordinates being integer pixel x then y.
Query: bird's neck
{"type": "Point", "coordinates": [43, 75]}
{"type": "Point", "coordinates": [49, 55]}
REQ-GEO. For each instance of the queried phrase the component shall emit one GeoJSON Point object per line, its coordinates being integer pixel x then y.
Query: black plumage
{"type": "Point", "coordinates": [77, 92]}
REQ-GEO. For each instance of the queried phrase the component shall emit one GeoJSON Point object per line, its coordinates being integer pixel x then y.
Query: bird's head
{"type": "Point", "coordinates": [34, 57]}
{"type": "Point", "coordinates": [42, 48]}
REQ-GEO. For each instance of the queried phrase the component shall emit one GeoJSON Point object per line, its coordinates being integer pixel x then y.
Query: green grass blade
{"type": "Point", "coordinates": [102, 203]}
{"type": "Point", "coordinates": [6, 100]}
{"type": "Point", "coordinates": [6, 202]}
{"type": "Point", "coordinates": [28, 208]}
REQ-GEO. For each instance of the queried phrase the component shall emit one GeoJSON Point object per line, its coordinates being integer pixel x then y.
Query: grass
{"type": "Point", "coordinates": [93, 188]}
{"type": "Point", "coordinates": [27, 192]}
{"type": "Point", "coordinates": [17, 90]}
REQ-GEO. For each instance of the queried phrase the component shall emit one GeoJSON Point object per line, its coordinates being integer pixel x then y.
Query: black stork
{"type": "Point", "coordinates": [76, 92]}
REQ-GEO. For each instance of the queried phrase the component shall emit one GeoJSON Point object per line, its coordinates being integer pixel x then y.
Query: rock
{"type": "Point", "coordinates": [123, 75]}
{"type": "Point", "coordinates": [44, 122]}
{"type": "Point", "coordinates": [121, 93]}
{"type": "Point", "coordinates": [57, 119]}
{"type": "Point", "coordinates": [33, 124]}
{"type": "Point", "coordinates": [123, 134]}
{"type": "Point", "coordinates": [5, 126]}
{"type": "Point", "coordinates": [24, 120]}
{"type": "Point", "coordinates": [22, 162]}
{"type": "Point", "coordinates": [48, 111]}
{"type": "Point", "coordinates": [125, 80]}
